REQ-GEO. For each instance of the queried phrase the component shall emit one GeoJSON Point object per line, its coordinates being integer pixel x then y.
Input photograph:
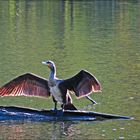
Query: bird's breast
{"type": "Point", "coordinates": [56, 93]}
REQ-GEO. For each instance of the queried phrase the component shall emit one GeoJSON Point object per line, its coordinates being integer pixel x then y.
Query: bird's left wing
{"type": "Point", "coordinates": [83, 83]}
{"type": "Point", "coordinates": [26, 85]}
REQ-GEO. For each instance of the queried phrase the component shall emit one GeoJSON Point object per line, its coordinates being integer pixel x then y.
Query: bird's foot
{"type": "Point", "coordinates": [57, 112]}
{"type": "Point", "coordinates": [54, 110]}
{"type": "Point", "coordinates": [60, 112]}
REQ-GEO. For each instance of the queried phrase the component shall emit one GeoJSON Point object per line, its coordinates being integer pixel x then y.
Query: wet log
{"type": "Point", "coordinates": [29, 114]}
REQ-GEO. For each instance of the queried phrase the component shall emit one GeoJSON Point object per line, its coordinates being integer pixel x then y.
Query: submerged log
{"type": "Point", "coordinates": [29, 114]}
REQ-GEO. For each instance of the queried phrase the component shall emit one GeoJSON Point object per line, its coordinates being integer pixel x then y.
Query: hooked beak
{"type": "Point", "coordinates": [44, 63]}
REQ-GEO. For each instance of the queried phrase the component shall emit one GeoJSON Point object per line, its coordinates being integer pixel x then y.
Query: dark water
{"type": "Point", "coordinates": [102, 36]}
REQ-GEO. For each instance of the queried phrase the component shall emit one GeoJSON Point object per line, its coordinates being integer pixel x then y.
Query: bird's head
{"type": "Point", "coordinates": [50, 64]}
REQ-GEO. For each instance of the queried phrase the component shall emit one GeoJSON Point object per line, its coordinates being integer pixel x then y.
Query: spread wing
{"type": "Point", "coordinates": [26, 85]}
{"type": "Point", "coordinates": [82, 84]}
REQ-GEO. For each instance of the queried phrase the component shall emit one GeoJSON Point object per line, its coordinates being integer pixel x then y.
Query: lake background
{"type": "Point", "coordinates": [101, 36]}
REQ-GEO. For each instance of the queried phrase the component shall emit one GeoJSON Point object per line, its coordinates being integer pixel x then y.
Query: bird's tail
{"type": "Point", "coordinates": [69, 107]}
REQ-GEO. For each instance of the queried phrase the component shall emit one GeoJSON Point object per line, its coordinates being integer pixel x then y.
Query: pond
{"type": "Point", "coordinates": [101, 36]}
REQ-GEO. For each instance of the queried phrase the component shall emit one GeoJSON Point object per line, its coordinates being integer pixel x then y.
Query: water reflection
{"type": "Point", "coordinates": [101, 36]}
{"type": "Point", "coordinates": [64, 128]}
{"type": "Point", "coordinates": [12, 131]}
{"type": "Point", "coordinates": [31, 130]}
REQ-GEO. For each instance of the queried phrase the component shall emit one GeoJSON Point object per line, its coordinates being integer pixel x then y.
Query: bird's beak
{"type": "Point", "coordinates": [44, 63]}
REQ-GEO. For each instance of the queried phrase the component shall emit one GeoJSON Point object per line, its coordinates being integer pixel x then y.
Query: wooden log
{"type": "Point", "coordinates": [29, 114]}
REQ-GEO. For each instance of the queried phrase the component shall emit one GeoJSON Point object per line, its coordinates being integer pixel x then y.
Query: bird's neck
{"type": "Point", "coordinates": [52, 77]}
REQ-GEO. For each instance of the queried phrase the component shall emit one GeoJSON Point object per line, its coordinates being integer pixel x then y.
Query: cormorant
{"type": "Point", "coordinates": [82, 84]}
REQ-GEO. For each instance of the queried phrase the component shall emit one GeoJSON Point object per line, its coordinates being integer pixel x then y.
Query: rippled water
{"type": "Point", "coordinates": [100, 36]}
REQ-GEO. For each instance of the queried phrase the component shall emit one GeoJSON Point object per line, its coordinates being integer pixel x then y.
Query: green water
{"type": "Point", "coordinates": [101, 36]}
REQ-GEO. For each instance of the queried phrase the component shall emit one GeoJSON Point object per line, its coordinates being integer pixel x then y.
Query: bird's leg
{"type": "Point", "coordinates": [60, 112]}
{"type": "Point", "coordinates": [55, 104]}
{"type": "Point", "coordinates": [64, 97]}
{"type": "Point", "coordinates": [63, 105]}
{"type": "Point", "coordinates": [89, 98]}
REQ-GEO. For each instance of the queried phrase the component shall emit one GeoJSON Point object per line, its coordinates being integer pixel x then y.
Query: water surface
{"type": "Point", "coordinates": [102, 37]}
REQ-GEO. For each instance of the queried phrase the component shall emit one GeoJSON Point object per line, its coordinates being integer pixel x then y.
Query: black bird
{"type": "Point", "coordinates": [82, 84]}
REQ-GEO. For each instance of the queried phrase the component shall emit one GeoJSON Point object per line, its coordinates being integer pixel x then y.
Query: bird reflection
{"type": "Point", "coordinates": [62, 129]}
{"type": "Point", "coordinates": [34, 130]}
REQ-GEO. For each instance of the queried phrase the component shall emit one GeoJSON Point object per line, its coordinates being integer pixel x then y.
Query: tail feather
{"type": "Point", "coordinates": [69, 107]}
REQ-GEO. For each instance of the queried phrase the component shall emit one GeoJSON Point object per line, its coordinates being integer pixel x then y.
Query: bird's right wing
{"type": "Point", "coordinates": [26, 85]}
{"type": "Point", "coordinates": [83, 84]}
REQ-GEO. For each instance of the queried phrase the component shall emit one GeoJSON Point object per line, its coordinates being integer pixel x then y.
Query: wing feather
{"type": "Point", "coordinates": [26, 85]}
{"type": "Point", "coordinates": [82, 84]}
